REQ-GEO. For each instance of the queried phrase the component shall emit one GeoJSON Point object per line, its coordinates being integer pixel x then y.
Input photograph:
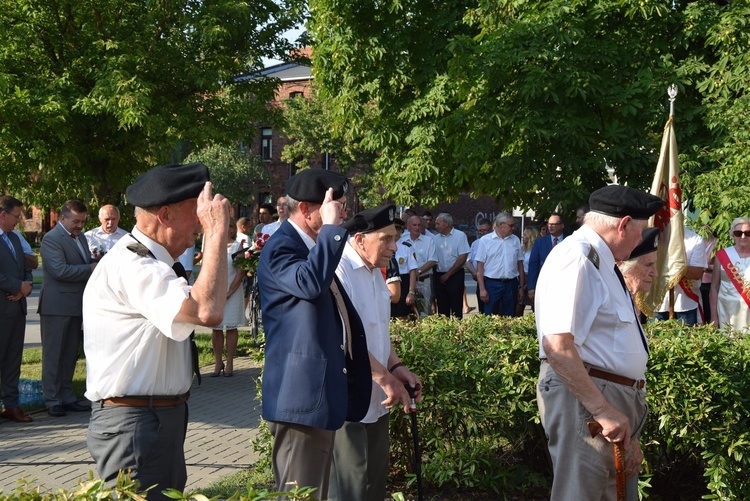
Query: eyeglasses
{"type": "Point", "coordinates": [512, 225]}
{"type": "Point", "coordinates": [554, 224]}
{"type": "Point", "coordinates": [739, 234]}
{"type": "Point", "coordinates": [17, 216]}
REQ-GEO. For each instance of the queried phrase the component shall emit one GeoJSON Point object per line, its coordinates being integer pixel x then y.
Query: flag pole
{"type": "Point", "coordinates": [672, 93]}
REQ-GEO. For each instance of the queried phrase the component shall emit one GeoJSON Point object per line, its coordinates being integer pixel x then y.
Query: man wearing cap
{"type": "Point", "coordinates": [138, 315]}
{"type": "Point", "coordinates": [317, 370]}
{"type": "Point", "coordinates": [592, 348]}
{"type": "Point", "coordinates": [361, 449]}
{"type": "Point", "coordinates": [67, 268]}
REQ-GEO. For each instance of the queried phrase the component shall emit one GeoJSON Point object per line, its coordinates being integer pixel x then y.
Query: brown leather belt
{"type": "Point", "coordinates": [626, 381]}
{"type": "Point", "coordinates": [424, 277]}
{"type": "Point", "coordinates": [147, 401]}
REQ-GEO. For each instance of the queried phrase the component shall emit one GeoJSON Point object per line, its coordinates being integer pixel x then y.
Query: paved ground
{"type": "Point", "coordinates": [224, 416]}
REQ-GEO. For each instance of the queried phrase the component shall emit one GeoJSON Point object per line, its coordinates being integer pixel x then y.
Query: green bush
{"type": "Point", "coordinates": [479, 424]}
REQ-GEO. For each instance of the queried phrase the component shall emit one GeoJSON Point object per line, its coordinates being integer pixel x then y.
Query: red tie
{"type": "Point", "coordinates": [554, 242]}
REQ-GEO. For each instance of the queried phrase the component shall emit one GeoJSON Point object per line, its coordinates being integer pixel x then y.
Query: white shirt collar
{"type": "Point", "coordinates": [158, 250]}
{"type": "Point", "coordinates": [309, 242]}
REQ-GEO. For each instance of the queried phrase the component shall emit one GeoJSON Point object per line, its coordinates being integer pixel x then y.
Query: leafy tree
{"type": "Point", "coordinates": [92, 93]}
{"type": "Point", "coordinates": [533, 102]}
{"type": "Point", "coordinates": [236, 173]}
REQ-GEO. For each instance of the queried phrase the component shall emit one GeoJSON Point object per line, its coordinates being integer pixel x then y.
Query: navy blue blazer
{"type": "Point", "coordinates": [307, 377]}
{"type": "Point", "coordinates": [539, 252]}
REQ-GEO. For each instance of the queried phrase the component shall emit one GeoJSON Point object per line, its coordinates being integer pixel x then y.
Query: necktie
{"type": "Point", "coordinates": [344, 315]}
{"type": "Point", "coordinates": [10, 245]}
{"type": "Point", "coordinates": [180, 271]}
{"type": "Point", "coordinates": [554, 242]}
{"type": "Point", "coordinates": [637, 320]}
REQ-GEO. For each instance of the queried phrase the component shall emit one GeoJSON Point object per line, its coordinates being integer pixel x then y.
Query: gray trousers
{"type": "Point", "coordinates": [301, 457]}
{"type": "Point", "coordinates": [148, 441]}
{"type": "Point", "coordinates": [359, 471]}
{"type": "Point", "coordinates": [584, 467]}
{"type": "Point", "coordinates": [60, 336]}
{"type": "Point", "coordinates": [11, 353]}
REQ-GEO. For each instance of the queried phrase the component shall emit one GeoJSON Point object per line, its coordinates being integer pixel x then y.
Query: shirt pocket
{"type": "Point", "coordinates": [627, 338]}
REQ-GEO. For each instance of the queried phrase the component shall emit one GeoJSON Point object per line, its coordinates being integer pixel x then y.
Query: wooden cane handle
{"type": "Point", "coordinates": [619, 451]}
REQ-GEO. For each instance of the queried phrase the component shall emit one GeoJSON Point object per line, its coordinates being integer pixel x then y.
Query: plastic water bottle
{"type": "Point", "coordinates": [23, 391]}
{"type": "Point", "coordinates": [38, 398]}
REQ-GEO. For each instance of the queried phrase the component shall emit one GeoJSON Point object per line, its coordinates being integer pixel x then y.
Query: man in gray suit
{"type": "Point", "coordinates": [67, 268]}
{"type": "Point", "coordinates": [15, 284]}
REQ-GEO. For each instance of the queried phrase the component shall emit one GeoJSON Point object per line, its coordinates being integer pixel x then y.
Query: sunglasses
{"type": "Point", "coordinates": [738, 233]}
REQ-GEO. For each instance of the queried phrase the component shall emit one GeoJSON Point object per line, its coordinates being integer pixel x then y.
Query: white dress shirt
{"type": "Point", "coordinates": [499, 255]}
{"type": "Point", "coordinates": [449, 247]}
{"type": "Point", "coordinates": [133, 344]}
{"type": "Point", "coordinates": [372, 300]}
{"type": "Point", "coordinates": [103, 241]}
{"type": "Point", "coordinates": [573, 295]}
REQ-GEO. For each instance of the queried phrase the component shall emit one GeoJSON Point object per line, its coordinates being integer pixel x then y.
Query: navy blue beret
{"type": "Point", "coordinates": [620, 201]}
{"type": "Point", "coordinates": [370, 220]}
{"type": "Point", "coordinates": [167, 184]}
{"type": "Point", "coordinates": [311, 185]}
{"type": "Point", "coordinates": [649, 243]}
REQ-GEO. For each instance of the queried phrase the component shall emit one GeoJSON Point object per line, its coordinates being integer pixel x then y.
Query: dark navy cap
{"type": "Point", "coordinates": [311, 185]}
{"type": "Point", "coordinates": [620, 201]}
{"type": "Point", "coordinates": [649, 243]}
{"type": "Point", "coordinates": [167, 184]}
{"type": "Point", "coordinates": [371, 220]}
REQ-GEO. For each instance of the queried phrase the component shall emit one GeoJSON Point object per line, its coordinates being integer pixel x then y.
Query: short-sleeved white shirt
{"type": "Point", "coordinates": [101, 240]}
{"type": "Point", "coordinates": [696, 255]}
{"type": "Point", "coordinates": [449, 247]}
{"type": "Point", "coordinates": [406, 257]}
{"type": "Point", "coordinates": [574, 296]}
{"type": "Point", "coordinates": [499, 255]}
{"type": "Point", "coordinates": [424, 248]}
{"type": "Point", "coordinates": [372, 300]}
{"type": "Point", "coordinates": [133, 344]}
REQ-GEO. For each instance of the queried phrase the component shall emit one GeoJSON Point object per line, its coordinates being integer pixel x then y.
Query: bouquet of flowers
{"type": "Point", "coordinates": [246, 259]}
{"type": "Point", "coordinates": [260, 241]}
{"type": "Point", "coordinates": [97, 253]}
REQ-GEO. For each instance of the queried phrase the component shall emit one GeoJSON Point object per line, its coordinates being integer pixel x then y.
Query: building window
{"type": "Point", "coordinates": [294, 94]}
{"type": "Point", "coordinates": [266, 143]}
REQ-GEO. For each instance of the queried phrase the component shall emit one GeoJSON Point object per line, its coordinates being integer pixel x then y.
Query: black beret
{"type": "Point", "coordinates": [311, 185]}
{"type": "Point", "coordinates": [167, 184]}
{"type": "Point", "coordinates": [399, 223]}
{"type": "Point", "coordinates": [620, 201]}
{"type": "Point", "coordinates": [371, 219]}
{"type": "Point", "coordinates": [649, 243]}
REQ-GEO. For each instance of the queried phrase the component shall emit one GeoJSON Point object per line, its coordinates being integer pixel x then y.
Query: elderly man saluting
{"type": "Point", "coordinates": [138, 315]}
{"type": "Point", "coordinates": [592, 348]}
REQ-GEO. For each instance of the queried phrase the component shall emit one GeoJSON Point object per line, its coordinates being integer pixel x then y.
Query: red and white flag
{"type": "Point", "coordinates": [671, 262]}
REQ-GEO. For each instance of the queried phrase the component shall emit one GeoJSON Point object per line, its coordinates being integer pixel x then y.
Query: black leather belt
{"type": "Point", "coordinates": [503, 280]}
{"type": "Point", "coordinates": [147, 401]}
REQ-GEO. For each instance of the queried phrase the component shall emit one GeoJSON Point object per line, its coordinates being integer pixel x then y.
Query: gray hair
{"type": "Point", "coordinates": [292, 205]}
{"type": "Point", "coordinates": [736, 222]}
{"type": "Point", "coordinates": [503, 217]}
{"type": "Point", "coordinates": [626, 266]}
{"type": "Point", "coordinates": [602, 221]}
{"type": "Point", "coordinates": [445, 217]}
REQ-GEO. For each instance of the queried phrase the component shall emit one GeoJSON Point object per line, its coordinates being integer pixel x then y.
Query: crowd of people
{"type": "Point", "coordinates": [328, 288]}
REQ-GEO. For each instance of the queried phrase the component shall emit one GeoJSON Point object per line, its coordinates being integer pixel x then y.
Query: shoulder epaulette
{"type": "Point", "coordinates": [406, 243]}
{"type": "Point", "coordinates": [593, 256]}
{"type": "Point", "coordinates": [139, 249]}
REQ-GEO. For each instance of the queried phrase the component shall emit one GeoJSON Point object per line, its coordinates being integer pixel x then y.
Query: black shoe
{"type": "Point", "coordinates": [76, 407]}
{"type": "Point", "coordinates": [56, 411]}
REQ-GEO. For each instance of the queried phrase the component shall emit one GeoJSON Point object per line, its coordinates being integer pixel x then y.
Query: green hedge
{"type": "Point", "coordinates": [478, 420]}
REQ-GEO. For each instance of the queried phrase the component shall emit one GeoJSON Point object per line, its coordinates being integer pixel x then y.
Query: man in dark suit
{"type": "Point", "coordinates": [15, 283]}
{"type": "Point", "coordinates": [317, 370]}
{"type": "Point", "coordinates": [541, 250]}
{"type": "Point", "coordinates": [67, 268]}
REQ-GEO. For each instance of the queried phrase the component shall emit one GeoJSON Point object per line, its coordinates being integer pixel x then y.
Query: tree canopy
{"type": "Point", "coordinates": [93, 93]}
{"type": "Point", "coordinates": [536, 102]}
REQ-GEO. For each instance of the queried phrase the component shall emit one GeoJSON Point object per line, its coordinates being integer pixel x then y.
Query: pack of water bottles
{"type": "Point", "coordinates": [30, 392]}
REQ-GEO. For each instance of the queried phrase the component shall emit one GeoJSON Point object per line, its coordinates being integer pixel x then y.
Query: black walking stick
{"type": "Point", "coordinates": [415, 434]}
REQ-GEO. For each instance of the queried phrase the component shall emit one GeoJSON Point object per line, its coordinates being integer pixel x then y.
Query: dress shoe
{"type": "Point", "coordinates": [16, 414]}
{"type": "Point", "coordinates": [56, 411]}
{"type": "Point", "coordinates": [76, 407]}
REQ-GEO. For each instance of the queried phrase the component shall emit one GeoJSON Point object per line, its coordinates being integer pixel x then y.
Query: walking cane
{"type": "Point", "coordinates": [415, 434]}
{"type": "Point", "coordinates": [619, 451]}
